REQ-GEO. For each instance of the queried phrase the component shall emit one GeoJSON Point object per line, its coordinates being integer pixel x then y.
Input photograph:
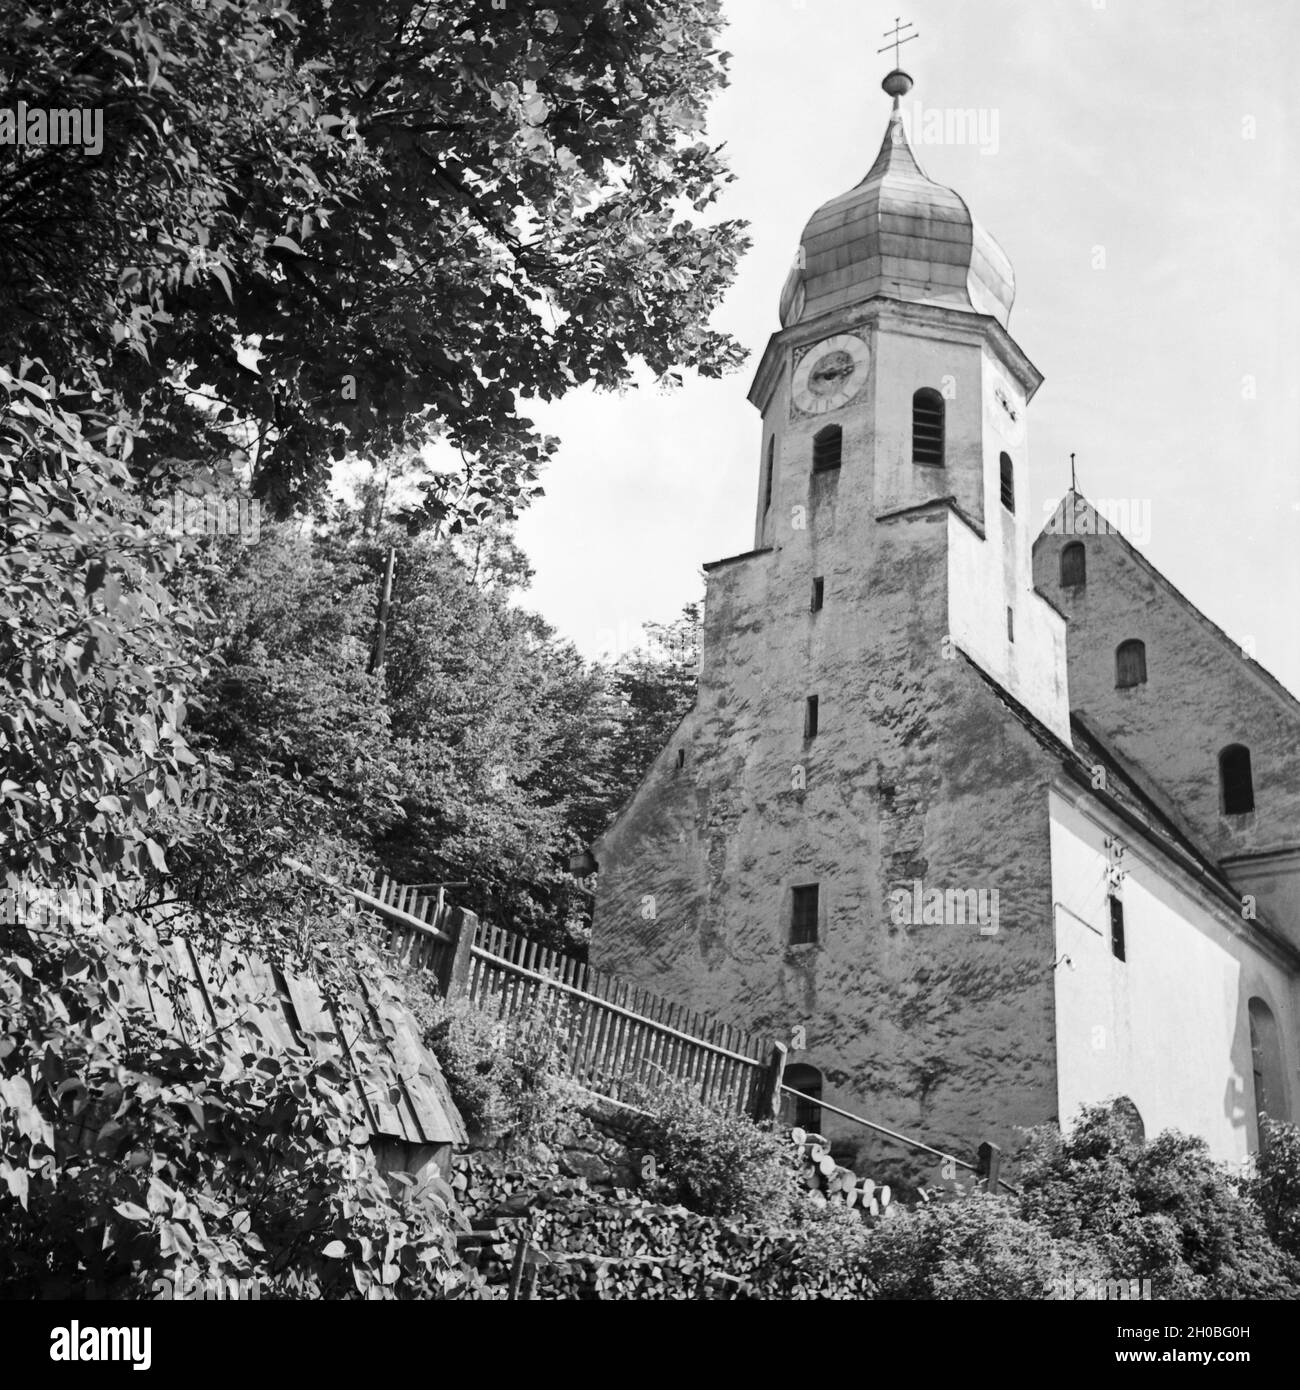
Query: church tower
{"type": "Point", "coordinates": [870, 672]}
{"type": "Point", "coordinates": [894, 387]}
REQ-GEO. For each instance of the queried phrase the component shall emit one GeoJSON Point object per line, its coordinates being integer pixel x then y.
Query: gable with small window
{"type": "Point", "coordinates": [1074, 565]}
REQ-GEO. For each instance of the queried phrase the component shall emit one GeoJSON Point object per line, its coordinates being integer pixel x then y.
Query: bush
{"type": "Point", "coordinates": [1275, 1188]}
{"type": "Point", "coordinates": [716, 1164]}
{"type": "Point", "coordinates": [1163, 1210]}
{"type": "Point", "coordinates": [975, 1247]}
{"type": "Point", "coordinates": [505, 1075]}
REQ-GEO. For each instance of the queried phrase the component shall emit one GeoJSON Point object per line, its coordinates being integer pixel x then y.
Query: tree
{"type": "Point", "coordinates": [410, 217]}
{"type": "Point", "coordinates": [654, 688]}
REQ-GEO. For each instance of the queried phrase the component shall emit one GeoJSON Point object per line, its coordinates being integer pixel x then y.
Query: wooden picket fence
{"type": "Point", "coordinates": [619, 1035]}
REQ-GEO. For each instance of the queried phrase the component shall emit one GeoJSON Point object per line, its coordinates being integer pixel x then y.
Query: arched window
{"type": "Point", "coordinates": [1008, 475]}
{"type": "Point", "coordinates": [767, 485]}
{"type": "Point", "coordinates": [826, 449]}
{"type": "Point", "coordinates": [1266, 1062]}
{"type": "Point", "coordinates": [1074, 565]}
{"type": "Point", "coordinates": [1131, 1118]}
{"type": "Point", "coordinates": [797, 1111]}
{"type": "Point", "coordinates": [927, 427]}
{"type": "Point", "coordinates": [1130, 664]}
{"type": "Point", "coordinates": [1236, 786]}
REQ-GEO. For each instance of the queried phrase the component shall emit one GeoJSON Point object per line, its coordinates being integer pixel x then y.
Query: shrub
{"type": "Point", "coordinates": [975, 1247]}
{"type": "Point", "coordinates": [1275, 1188]}
{"type": "Point", "coordinates": [505, 1075]}
{"type": "Point", "coordinates": [716, 1164]}
{"type": "Point", "coordinates": [1163, 1210]}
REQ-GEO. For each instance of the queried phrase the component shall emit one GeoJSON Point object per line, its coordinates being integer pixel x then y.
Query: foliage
{"type": "Point", "coordinates": [132, 1152]}
{"type": "Point", "coordinates": [655, 687]}
{"type": "Point", "coordinates": [1161, 1210]}
{"type": "Point", "coordinates": [975, 1247]}
{"type": "Point", "coordinates": [715, 1163]}
{"type": "Point", "coordinates": [492, 721]}
{"type": "Point", "coordinates": [95, 656]}
{"type": "Point", "coordinates": [1275, 1188]}
{"type": "Point", "coordinates": [505, 1074]}
{"type": "Point", "coordinates": [354, 226]}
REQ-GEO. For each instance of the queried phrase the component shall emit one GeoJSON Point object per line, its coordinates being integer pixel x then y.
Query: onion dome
{"type": "Point", "coordinates": [897, 235]}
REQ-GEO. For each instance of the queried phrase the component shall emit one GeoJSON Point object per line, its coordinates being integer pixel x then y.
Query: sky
{"type": "Point", "coordinates": [1137, 159]}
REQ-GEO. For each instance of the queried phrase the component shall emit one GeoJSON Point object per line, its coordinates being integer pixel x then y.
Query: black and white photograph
{"type": "Point", "coordinates": [649, 653]}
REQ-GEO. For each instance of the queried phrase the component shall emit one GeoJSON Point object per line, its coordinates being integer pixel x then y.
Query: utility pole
{"type": "Point", "coordinates": [381, 624]}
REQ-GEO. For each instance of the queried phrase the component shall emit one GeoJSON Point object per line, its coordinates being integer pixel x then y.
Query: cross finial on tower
{"type": "Point", "coordinates": [896, 42]}
{"type": "Point", "coordinates": [1074, 487]}
{"type": "Point", "coordinates": [897, 83]}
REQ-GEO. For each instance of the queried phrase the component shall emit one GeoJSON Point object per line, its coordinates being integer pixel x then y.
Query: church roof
{"type": "Point", "coordinates": [898, 235]}
{"type": "Point", "coordinates": [1128, 795]}
{"type": "Point", "coordinates": [1068, 521]}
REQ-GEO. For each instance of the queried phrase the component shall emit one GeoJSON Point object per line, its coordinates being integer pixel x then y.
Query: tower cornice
{"type": "Point", "coordinates": [922, 320]}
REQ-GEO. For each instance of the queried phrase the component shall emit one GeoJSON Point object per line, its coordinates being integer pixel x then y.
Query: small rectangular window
{"type": "Point", "coordinates": [681, 757]}
{"type": "Point", "coordinates": [819, 594]}
{"type": "Point", "coordinates": [1116, 927]}
{"type": "Point", "coordinates": [810, 718]}
{"type": "Point", "coordinates": [803, 914]}
{"type": "Point", "coordinates": [1011, 626]}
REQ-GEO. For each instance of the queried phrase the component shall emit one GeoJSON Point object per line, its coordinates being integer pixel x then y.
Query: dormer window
{"type": "Point", "coordinates": [927, 427]}
{"type": "Point", "coordinates": [826, 449]}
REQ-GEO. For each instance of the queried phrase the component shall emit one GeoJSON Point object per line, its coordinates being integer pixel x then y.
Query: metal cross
{"type": "Point", "coordinates": [1074, 487]}
{"type": "Point", "coordinates": [897, 42]}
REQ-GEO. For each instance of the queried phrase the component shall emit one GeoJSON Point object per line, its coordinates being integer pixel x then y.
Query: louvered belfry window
{"type": "Point", "coordinates": [827, 444]}
{"type": "Point", "coordinates": [767, 486]}
{"type": "Point", "coordinates": [1008, 477]}
{"type": "Point", "coordinates": [1130, 664]}
{"type": "Point", "coordinates": [927, 427]}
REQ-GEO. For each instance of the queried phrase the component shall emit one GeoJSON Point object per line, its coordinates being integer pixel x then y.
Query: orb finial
{"type": "Point", "coordinates": [897, 83]}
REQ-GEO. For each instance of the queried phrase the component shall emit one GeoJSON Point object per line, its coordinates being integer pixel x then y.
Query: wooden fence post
{"type": "Point", "coordinates": [767, 1103]}
{"type": "Point", "coordinates": [989, 1165]}
{"type": "Point", "coordinates": [462, 926]}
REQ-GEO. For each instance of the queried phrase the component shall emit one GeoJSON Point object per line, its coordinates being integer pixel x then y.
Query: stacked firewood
{"type": "Point", "coordinates": [831, 1182]}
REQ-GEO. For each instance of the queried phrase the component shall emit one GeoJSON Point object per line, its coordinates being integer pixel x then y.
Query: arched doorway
{"type": "Point", "coordinates": [802, 1111]}
{"type": "Point", "coordinates": [1266, 1062]}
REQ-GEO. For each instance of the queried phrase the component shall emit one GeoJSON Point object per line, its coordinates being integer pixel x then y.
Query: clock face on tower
{"type": "Point", "coordinates": [830, 374]}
